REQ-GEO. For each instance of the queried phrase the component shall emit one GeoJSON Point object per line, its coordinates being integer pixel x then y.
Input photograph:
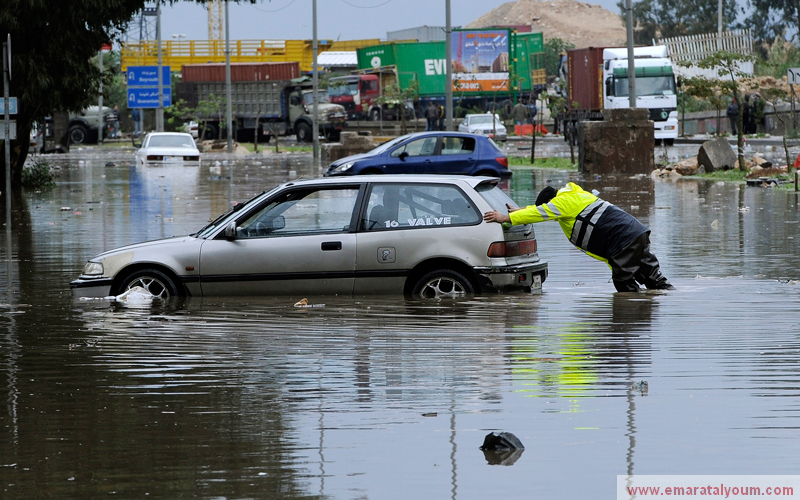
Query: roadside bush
{"type": "Point", "coordinates": [37, 175]}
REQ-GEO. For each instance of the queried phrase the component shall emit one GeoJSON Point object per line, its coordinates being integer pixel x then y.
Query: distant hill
{"type": "Point", "coordinates": [580, 23]}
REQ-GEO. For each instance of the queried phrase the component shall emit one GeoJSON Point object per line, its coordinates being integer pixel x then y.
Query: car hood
{"type": "Point", "coordinates": [145, 244]}
{"type": "Point", "coordinates": [487, 127]}
{"type": "Point", "coordinates": [327, 107]}
{"type": "Point", "coordinates": [347, 159]}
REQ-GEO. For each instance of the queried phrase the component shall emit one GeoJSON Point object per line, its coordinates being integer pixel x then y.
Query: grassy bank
{"type": "Point", "coordinates": [551, 163]}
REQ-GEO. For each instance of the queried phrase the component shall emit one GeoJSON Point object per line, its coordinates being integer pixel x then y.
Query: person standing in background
{"type": "Point", "coordinates": [136, 116]}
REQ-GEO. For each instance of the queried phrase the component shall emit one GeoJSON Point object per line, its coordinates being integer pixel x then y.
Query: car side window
{"type": "Point", "coordinates": [401, 206]}
{"type": "Point", "coordinates": [421, 147]}
{"type": "Point", "coordinates": [302, 212]}
{"type": "Point", "coordinates": [457, 145]}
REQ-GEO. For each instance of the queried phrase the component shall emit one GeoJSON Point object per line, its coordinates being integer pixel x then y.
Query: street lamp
{"type": "Point", "coordinates": [179, 36]}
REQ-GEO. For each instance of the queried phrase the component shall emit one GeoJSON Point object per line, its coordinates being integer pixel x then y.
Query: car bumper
{"type": "Point", "coordinates": [527, 277]}
{"type": "Point", "coordinates": [91, 288]}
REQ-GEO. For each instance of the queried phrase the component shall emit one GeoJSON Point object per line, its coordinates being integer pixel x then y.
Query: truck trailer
{"type": "Point", "coordinates": [510, 67]}
{"type": "Point", "coordinates": [597, 79]}
{"type": "Point", "coordinates": [266, 98]}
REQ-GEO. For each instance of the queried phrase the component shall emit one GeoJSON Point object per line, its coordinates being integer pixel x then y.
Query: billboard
{"type": "Point", "coordinates": [480, 60]}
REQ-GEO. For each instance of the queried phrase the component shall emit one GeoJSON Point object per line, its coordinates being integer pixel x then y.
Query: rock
{"type": "Point", "coordinates": [760, 161]}
{"type": "Point", "coordinates": [756, 169]}
{"type": "Point", "coordinates": [620, 144]}
{"type": "Point", "coordinates": [688, 166]}
{"type": "Point", "coordinates": [240, 150]}
{"type": "Point", "coordinates": [716, 155]}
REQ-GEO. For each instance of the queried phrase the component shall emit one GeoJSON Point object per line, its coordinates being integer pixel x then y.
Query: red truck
{"type": "Point", "coordinates": [358, 94]}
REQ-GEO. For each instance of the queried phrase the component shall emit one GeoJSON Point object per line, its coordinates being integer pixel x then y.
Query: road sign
{"type": "Point", "coordinates": [147, 76]}
{"type": "Point", "coordinates": [12, 106]}
{"type": "Point", "coordinates": [793, 74]}
{"type": "Point", "coordinates": [147, 97]}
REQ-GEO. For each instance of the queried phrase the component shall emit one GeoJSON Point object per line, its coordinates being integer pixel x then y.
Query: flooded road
{"type": "Point", "coordinates": [388, 398]}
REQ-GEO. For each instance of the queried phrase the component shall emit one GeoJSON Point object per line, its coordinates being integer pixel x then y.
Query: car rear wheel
{"type": "Point", "coordinates": [442, 283]}
{"type": "Point", "coordinates": [155, 282]}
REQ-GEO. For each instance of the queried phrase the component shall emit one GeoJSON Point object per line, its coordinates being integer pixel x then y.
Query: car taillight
{"type": "Point", "coordinates": [502, 161]}
{"type": "Point", "coordinates": [511, 248]}
{"type": "Point", "coordinates": [191, 158]}
{"type": "Point", "coordinates": [154, 158]}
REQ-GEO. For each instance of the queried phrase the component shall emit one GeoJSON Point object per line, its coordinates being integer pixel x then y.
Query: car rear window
{"type": "Point", "coordinates": [498, 148]}
{"type": "Point", "coordinates": [495, 197]}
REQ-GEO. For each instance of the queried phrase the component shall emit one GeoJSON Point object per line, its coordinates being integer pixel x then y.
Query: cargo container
{"type": "Point", "coordinates": [597, 79]}
{"type": "Point", "coordinates": [260, 105]}
{"type": "Point", "coordinates": [520, 66]}
{"type": "Point", "coordinates": [240, 72]}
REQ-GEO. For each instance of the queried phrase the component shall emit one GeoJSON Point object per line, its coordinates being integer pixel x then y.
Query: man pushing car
{"type": "Point", "coordinates": [600, 229]}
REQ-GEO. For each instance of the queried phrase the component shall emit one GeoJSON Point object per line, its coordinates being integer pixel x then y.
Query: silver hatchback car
{"type": "Point", "coordinates": [419, 235]}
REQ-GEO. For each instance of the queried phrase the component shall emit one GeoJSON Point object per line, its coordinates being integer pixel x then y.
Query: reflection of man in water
{"type": "Point", "coordinates": [600, 229]}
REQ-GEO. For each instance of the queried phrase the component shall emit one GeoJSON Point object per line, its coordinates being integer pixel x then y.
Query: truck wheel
{"type": "Point", "coordinates": [669, 142]}
{"type": "Point", "coordinates": [303, 132]}
{"type": "Point", "coordinates": [210, 133]}
{"type": "Point", "coordinates": [78, 134]}
{"type": "Point", "coordinates": [375, 115]}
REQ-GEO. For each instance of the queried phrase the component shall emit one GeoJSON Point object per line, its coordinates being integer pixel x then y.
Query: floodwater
{"type": "Point", "coordinates": [388, 398]}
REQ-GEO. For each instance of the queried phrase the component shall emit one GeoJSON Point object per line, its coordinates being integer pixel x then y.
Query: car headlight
{"type": "Point", "coordinates": [345, 166]}
{"type": "Point", "coordinates": [93, 269]}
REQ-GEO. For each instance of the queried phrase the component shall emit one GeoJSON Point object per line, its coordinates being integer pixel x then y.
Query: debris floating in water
{"type": "Point", "coordinates": [641, 387]}
{"type": "Point", "coordinates": [304, 303]}
{"type": "Point", "coordinates": [715, 224]}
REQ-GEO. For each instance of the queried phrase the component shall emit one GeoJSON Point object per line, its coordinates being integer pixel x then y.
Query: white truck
{"type": "Point", "coordinates": [655, 87]}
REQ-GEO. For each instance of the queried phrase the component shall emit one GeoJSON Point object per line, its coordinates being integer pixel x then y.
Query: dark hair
{"type": "Point", "coordinates": [546, 195]}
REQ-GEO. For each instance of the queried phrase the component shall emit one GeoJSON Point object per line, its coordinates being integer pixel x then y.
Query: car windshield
{"type": "Point", "coordinates": [480, 119]}
{"type": "Point", "coordinates": [170, 141]}
{"type": "Point", "coordinates": [308, 98]}
{"type": "Point", "coordinates": [388, 145]}
{"type": "Point", "coordinates": [206, 230]}
{"type": "Point", "coordinates": [646, 85]}
{"type": "Point", "coordinates": [339, 88]}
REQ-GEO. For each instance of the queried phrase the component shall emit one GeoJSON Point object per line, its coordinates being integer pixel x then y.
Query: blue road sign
{"type": "Point", "coordinates": [147, 97]}
{"type": "Point", "coordinates": [147, 76]}
{"type": "Point", "coordinates": [12, 106]}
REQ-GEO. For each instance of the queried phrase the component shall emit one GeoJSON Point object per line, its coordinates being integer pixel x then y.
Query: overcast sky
{"type": "Point", "coordinates": [336, 19]}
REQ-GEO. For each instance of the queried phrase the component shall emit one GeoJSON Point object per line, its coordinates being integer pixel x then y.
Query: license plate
{"type": "Point", "coordinates": [536, 285]}
{"type": "Point", "coordinates": [173, 159]}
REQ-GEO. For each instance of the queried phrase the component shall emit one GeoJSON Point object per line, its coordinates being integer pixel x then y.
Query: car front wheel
{"type": "Point", "coordinates": [155, 282]}
{"type": "Point", "coordinates": [442, 283]}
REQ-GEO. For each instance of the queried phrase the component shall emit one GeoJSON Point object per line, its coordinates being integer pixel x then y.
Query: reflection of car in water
{"type": "Point", "coordinates": [416, 235]}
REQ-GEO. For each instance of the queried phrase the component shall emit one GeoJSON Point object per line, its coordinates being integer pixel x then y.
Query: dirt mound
{"type": "Point", "coordinates": [582, 24]}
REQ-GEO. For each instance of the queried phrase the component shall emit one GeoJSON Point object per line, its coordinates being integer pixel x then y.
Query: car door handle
{"type": "Point", "coordinates": [331, 245]}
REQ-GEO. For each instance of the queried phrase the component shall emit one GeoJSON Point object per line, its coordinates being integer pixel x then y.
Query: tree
{"type": "Point", "coordinates": [654, 19]}
{"type": "Point", "coordinates": [706, 89]}
{"type": "Point", "coordinates": [53, 43]}
{"type": "Point", "coordinates": [394, 95]}
{"type": "Point", "coordinates": [727, 65]}
{"type": "Point", "coordinates": [772, 18]}
{"type": "Point", "coordinates": [553, 48]}
{"type": "Point", "coordinates": [775, 96]}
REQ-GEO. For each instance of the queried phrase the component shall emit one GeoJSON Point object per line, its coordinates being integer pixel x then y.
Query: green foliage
{"type": "Point", "coordinates": [733, 174]}
{"type": "Point", "coordinates": [656, 19]}
{"type": "Point", "coordinates": [773, 18]}
{"type": "Point", "coordinates": [38, 175]}
{"type": "Point", "coordinates": [205, 111]}
{"type": "Point", "coordinates": [553, 48]}
{"type": "Point", "coordinates": [394, 95]}
{"type": "Point", "coordinates": [779, 56]}
{"type": "Point", "coordinates": [551, 163]}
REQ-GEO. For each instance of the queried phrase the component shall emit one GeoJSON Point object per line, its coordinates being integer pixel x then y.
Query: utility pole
{"type": "Point", "coordinates": [315, 81]}
{"type": "Point", "coordinates": [160, 110]}
{"type": "Point", "coordinates": [448, 49]}
{"type": "Point", "coordinates": [7, 138]}
{"type": "Point", "coordinates": [228, 104]}
{"type": "Point", "coordinates": [631, 65]}
{"type": "Point", "coordinates": [719, 16]}
{"type": "Point", "coordinates": [101, 123]}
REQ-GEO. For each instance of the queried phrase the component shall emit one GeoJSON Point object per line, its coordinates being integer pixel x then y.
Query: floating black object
{"type": "Point", "coordinates": [505, 441]}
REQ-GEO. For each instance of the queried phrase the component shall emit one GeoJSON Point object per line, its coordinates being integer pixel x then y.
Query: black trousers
{"type": "Point", "coordinates": [635, 263]}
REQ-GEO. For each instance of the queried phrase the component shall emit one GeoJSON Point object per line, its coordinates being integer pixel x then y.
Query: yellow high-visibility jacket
{"type": "Point", "coordinates": [593, 225]}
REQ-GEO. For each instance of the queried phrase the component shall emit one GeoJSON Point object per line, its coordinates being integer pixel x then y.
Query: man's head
{"type": "Point", "coordinates": [545, 195]}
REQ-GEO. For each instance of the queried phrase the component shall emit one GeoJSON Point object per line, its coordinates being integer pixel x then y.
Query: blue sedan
{"type": "Point", "coordinates": [428, 153]}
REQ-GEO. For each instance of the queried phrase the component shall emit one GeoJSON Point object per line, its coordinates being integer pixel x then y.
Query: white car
{"type": "Point", "coordinates": [160, 148]}
{"type": "Point", "coordinates": [482, 125]}
{"type": "Point", "coordinates": [192, 128]}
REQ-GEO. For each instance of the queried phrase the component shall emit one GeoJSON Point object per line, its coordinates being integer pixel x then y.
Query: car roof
{"type": "Point", "coordinates": [169, 133]}
{"type": "Point", "coordinates": [436, 134]}
{"type": "Point", "coordinates": [472, 181]}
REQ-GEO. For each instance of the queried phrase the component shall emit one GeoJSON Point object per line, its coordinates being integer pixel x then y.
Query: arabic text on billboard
{"type": "Point", "coordinates": [480, 60]}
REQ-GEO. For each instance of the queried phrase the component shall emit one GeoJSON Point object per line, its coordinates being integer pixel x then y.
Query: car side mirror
{"type": "Point", "coordinates": [230, 231]}
{"type": "Point", "coordinates": [403, 156]}
{"type": "Point", "coordinates": [278, 223]}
